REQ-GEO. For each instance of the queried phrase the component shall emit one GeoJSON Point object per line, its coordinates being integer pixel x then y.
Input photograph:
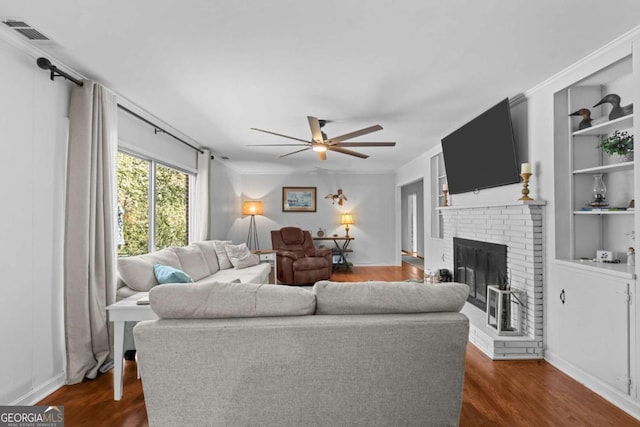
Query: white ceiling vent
{"type": "Point", "coordinates": [26, 30]}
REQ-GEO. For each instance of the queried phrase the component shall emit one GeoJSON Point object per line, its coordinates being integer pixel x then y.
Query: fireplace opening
{"type": "Point", "coordinates": [479, 264]}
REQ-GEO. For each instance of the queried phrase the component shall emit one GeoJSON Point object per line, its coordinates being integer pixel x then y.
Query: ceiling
{"type": "Point", "coordinates": [422, 68]}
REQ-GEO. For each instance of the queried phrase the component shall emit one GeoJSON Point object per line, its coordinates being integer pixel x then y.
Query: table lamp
{"type": "Point", "coordinates": [346, 220]}
{"type": "Point", "coordinates": [253, 208]}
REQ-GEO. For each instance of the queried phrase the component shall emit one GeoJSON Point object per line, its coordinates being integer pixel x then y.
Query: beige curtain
{"type": "Point", "coordinates": [202, 197]}
{"type": "Point", "coordinates": [90, 230]}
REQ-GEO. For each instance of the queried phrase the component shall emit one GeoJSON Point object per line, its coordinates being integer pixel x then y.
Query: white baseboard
{"type": "Point", "coordinates": [616, 397]}
{"type": "Point", "coordinates": [42, 391]}
{"type": "Point", "coordinates": [480, 342]}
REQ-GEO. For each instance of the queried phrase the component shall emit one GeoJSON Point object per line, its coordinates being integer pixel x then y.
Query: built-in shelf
{"type": "Point", "coordinates": [605, 168]}
{"type": "Point", "coordinates": [607, 127]}
{"type": "Point", "coordinates": [619, 270]}
{"type": "Point", "coordinates": [438, 179]}
{"type": "Point", "coordinates": [577, 283]}
{"type": "Point", "coordinates": [603, 212]}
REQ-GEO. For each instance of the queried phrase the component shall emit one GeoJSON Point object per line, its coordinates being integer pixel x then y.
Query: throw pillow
{"type": "Point", "coordinates": [223, 259]}
{"type": "Point", "coordinates": [240, 256]}
{"type": "Point", "coordinates": [167, 274]}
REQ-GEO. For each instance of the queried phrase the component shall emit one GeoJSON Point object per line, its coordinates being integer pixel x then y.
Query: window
{"type": "Point", "coordinates": [153, 205]}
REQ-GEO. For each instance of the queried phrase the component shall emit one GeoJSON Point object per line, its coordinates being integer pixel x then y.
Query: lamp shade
{"type": "Point", "coordinates": [252, 207]}
{"type": "Point", "coordinates": [346, 219]}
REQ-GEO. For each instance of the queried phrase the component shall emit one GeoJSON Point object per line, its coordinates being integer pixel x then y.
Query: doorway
{"type": "Point", "coordinates": [412, 221]}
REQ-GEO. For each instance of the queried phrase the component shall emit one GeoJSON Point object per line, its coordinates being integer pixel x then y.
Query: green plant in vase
{"type": "Point", "coordinates": [619, 144]}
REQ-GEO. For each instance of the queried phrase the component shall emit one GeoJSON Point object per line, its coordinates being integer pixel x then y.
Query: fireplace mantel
{"type": "Point", "coordinates": [495, 205]}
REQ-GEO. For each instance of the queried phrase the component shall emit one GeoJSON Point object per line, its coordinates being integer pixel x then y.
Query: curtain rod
{"type": "Point", "coordinates": [157, 128]}
{"type": "Point", "coordinates": [45, 64]}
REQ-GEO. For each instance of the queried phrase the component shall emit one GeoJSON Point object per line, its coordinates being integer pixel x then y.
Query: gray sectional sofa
{"type": "Point", "coordinates": [205, 261]}
{"type": "Point", "coordinates": [341, 354]}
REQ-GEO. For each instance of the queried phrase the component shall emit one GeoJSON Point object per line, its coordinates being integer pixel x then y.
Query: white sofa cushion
{"type": "Point", "coordinates": [221, 252]}
{"type": "Point", "coordinates": [209, 252]}
{"type": "Point", "coordinates": [388, 297]}
{"type": "Point", "coordinates": [227, 300]}
{"type": "Point", "coordinates": [193, 261]}
{"type": "Point", "coordinates": [137, 271]}
{"type": "Point", "coordinates": [256, 274]}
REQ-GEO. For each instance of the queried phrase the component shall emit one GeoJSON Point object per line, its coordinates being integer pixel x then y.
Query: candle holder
{"type": "Point", "coordinates": [445, 201]}
{"type": "Point", "coordinates": [525, 186]}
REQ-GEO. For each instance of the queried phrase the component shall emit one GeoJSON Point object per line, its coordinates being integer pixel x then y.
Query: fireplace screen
{"type": "Point", "coordinates": [479, 264]}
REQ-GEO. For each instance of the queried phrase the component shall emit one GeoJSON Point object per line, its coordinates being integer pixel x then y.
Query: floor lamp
{"type": "Point", "coordinates": [253, 208]}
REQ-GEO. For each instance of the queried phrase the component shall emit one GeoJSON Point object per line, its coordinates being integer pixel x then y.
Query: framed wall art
{"type": "Point", "coordinates": [298, 199]}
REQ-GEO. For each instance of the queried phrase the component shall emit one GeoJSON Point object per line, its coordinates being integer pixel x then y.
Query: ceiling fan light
{"type": "Point", "coordinates": [320, 148]}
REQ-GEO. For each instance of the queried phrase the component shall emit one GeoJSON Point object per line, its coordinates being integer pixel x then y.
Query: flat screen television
{"type": "Point", "coordinates": [482, 154]}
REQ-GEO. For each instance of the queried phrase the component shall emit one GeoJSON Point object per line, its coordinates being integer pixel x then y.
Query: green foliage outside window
{"type": "Point", "coordinates": [171, 206]}
{"type": "Point", "coordinates": [133, 198]}
{"type": "Point", "coordinates": [172, 194]}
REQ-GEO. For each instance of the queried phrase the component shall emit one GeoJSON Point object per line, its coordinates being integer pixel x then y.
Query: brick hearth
{"type": "Point", "coordinates": [517, 225]}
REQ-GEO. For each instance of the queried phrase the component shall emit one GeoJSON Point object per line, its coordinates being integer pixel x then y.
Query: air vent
{"type": "Point", "coordinates": [26, 30]}
{"type": "Point", "coordinates": [13, 24]}
{"type": "Point", "coordinates": [32, 34]}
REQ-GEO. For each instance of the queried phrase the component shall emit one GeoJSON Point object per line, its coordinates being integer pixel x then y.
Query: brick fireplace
{"type": "Point", "coordinates": [518, 226]}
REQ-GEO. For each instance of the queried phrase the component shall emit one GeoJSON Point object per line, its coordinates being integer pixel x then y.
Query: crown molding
{"type": "Point", "coordinates": [619, 47]}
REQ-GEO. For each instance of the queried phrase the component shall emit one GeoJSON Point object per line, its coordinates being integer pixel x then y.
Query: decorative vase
{"type": "Point", "coordinates": [621, 158]}
{"type": "Point", "coordinates": [320, 232]}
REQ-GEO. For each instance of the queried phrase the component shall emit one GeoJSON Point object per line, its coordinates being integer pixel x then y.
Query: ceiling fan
{"type": "Point", "coordinates": [321, 144]}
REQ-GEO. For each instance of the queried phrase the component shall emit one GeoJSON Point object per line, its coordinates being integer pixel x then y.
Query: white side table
{"type": "Point", "coordinates": [269, 255]}
{"type": "Point", "coordinates": [120, 312]}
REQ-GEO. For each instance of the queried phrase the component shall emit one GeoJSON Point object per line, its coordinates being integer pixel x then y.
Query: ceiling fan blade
{"type": "Point", "coordinates": [365, 144]}
{"type": "Point", "coordinates": [277, 145]}
{"type": "Point", "coordinates": [345, 151]}
{"type": "Point", "coordinates": [304, 149]}
{"type": "Point", "coordinates": [316, 132]}
{"type": "Point", "coordinates": [354, 134]}
{"type": "Point", "coordinates": [279, 134]}
{"type": "Point", "coordinates": [322, 155]}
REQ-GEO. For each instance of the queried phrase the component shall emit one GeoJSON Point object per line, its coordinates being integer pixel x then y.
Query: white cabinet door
{"type": "Point", "coordinates": [592, 323]}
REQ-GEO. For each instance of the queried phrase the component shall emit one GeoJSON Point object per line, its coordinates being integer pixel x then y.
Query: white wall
{"type": "Point", "coordinates": [371, 200]}
{"type": "Point", "coordinates": [33, 126]}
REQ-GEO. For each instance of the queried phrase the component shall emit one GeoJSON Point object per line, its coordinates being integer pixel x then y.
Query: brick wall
{"type": "Point", "coordinates": [519, 227]}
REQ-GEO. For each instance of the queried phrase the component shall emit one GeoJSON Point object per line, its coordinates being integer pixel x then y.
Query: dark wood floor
{"type": "Point", "coordinates": [502, 393]}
